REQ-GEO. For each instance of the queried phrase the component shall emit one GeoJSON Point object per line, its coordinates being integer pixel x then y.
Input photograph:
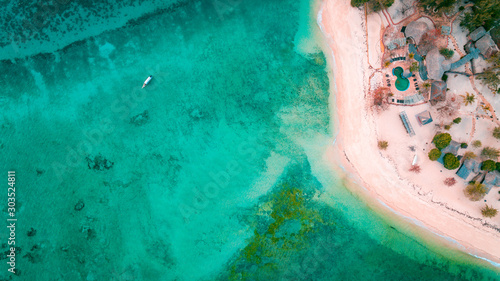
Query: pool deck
{"type": "Point", "coordinates": [411, 94]}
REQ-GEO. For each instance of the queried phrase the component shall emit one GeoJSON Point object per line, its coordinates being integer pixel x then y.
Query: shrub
{"type": "Point", "coordinates": [457, 120]}
{"type": "Point", "coordinates": [450, 161]}
{"type": "Point", "coordinates": [414, 67]}
{"type": "Point", "coordinates": [489, 211]}
{"type": "Point", "coordinates": [434, 154]}
{"type": "Point", "coordinates": [463, 145]}
{"type": "Point", "coordinates": [415, 168]}
{"type": "Point", "coordinates": [477, 143]}
{"type": "Point", "coordinates": [490, 153]}
{"type": "Point", "coordinates": [488, 165]}
{"type": "Point", "coordinates": [497, 166]}
{"type": "Point", "coordinates": [450, 181]}
{"type": "Point", "coordinates": [447, 127]}
{"type": "Point", "coordinates": [469, 155]}
{"type": "Point", "coordinates": [447, 53]}
{"type": "Point", "coordinates": [383, 145]}
{"type": "Point", "coordinates": [442, 140]}
{"type": "Point", "coordinates": [358, 3]}
{"type": "Point", "coordinates": [475, 191]}
{"type": "Point", "coordinates": [444, 78]}
{"type": "Point", "coordinates": [496, 132]}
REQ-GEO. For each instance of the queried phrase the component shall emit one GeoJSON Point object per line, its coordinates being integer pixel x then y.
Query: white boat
{"type": "Point", "coordinates": [147, 81]}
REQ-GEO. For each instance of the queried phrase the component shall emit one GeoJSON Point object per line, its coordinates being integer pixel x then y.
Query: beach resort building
{"type": "Point", "coordinates": [483, 42]}
{"type": "Point", "coordinates": [438, 92]}
{"type": "Point", "coordinates": [468, 166]}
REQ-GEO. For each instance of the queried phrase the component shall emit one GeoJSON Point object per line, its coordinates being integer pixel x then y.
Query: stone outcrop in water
{"type": "Point", "coordinates": [140, 119]}
{"type": "Point", "coordinates": [79, 205]}
{"type": "Point", "coordinates": [99, 163]}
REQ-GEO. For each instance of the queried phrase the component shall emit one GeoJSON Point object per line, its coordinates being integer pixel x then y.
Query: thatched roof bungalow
{"type": "Point", "coordinates": [477, 33]}
{"type": "Point", "coordinates": [468, 166]}
{"type": "Point", "coordinates": [436, 64]}
{"type": "Point", "coordinates": [451, 148]}
{"type": "Point", "coordinates": [438, 92]}
{"type": "Point", "coordinates": [486, 46]}
{"type": "Point", "coordinates": [415, 30]}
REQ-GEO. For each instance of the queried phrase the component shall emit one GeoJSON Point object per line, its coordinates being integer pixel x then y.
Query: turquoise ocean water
{"type": "Point", "coordinates": [212, 172]}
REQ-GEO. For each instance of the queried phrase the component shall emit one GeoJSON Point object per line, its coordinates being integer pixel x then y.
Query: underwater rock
{"type": "Point", "coordinates": [196, 114]}
{"type": "Point", "coordinates": [33, 258]}
{"type": "Point", "coordinates": [39, 172]}
{"type": "Point", "coordinates": [32, 232]}
{"type": "Point", "coordinates": [140, 119]}
{"type": "Point", "coordinates": [99, 163]}
{"type": "Point", "coordinates": [79, 205]}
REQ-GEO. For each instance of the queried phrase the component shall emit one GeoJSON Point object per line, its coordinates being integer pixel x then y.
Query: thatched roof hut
{"type": "Point", "coordinates": [438, 92]}
{"type": "Point", "coordinates": [469, 166]}
{"type": "Point", "coordinates": [487, 46]}
{"type": "Point", "coordinates": [415, 30]}
{"type": "Point", "coordinates": [477, 33]}
{"type": "Point", "coordinates": [436, 64]}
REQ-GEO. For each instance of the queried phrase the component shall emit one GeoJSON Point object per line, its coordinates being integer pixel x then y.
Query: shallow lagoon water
{"type": "Point", "coordinates": [217, 170]}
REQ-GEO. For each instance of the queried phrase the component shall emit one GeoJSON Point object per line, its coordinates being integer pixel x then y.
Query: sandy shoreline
{"type": "Point", "coordinates": [356, 149]}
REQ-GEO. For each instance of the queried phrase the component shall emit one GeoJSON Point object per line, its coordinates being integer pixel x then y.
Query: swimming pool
{"type": "Point", "coordinates": [402, 83]}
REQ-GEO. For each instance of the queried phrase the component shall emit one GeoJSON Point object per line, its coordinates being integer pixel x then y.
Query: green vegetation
{"type": "Point", "coordinates": [438, 5]}
{"type": "Point", "coordinates": [434, 154]}
{"type": "Point", "coordinates": [451, 162]}
{"type": "Point", "coordinates": [358, 3]}
{"type": "Point", "coordinates": [426, 85]}
{"type": "Point", "coordinates": [387, 63]}
{"type": "Point", "coordinates": [488, 165]}
{"type": "Point", "coordinates": [377, 5]}
{"type": "Point", "coordinates": [475, 191]}
{"type": "Point", "coordinates": [488, 211]}
{"type": "Point", "coordinates": [447, 53]}
{"type": "Point", "coordinates": [490, 78]}
{"type": "Point", "coordinates": [457, 120]}
{"type": "Point", "coordinates": [468, 98]}
{"type": "Point", "coordinates": [373, 5]}
{"type": "Point", "coordinates": [447, 127]}
{"type": "Point", "coordinates": [484, 12]}
{"type": "Point", "coordinates": [411, 56]}
{"type": "Point", "coordinates": [414, 67]}
{"type": "Point", "coordinates": [490, 153]}
{"type": "Point", "coordinates": [477, 143]}
{"type": "Point", "coordinates": [288, 204]}
{"type": "Point", "coordinates": [497, 166]}
{"type": "Point", "coordinates": [469, 155]}
{"type": "Point", "coordinates": [496, 132]}
{"type": "Point", "coordinates": [444, 77]}
{"type": "Point", "coordinates": [383, 145]}
{"type": "Point", "coordinates": [442, 140]}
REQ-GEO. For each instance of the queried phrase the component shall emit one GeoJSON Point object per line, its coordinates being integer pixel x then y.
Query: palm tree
{"type": "Point", "coordinates": [387, 63]}
{"type": "Point", "coordinates": [490, 78]}
{"type": "Point", "coordinates": [468, 99]}
{"type": "Point", "coordinates": [426, 85]}
{"type": "Point", "coordinates": [489, 211]}
{"type": "Point", "coordinates": [383, 145]}
{"type": "Point", "coordinates": [475, 191]}
{"type": "Point", "coordinates": [490, 153]}
{"type": "Point", "coordinates": [411, 55]}
{"type": "Point", "coordinates": [496, 132]}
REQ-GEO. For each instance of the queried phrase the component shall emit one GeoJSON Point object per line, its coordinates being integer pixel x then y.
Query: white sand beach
{"type": "Point", "coordinates": [424, 198]}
